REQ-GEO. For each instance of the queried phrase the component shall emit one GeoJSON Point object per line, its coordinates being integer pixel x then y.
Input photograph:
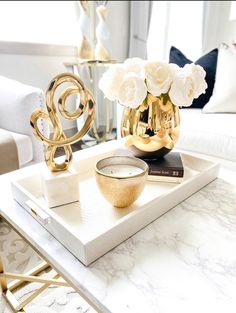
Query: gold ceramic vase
{"type": "Point", "coordinates": [152, 129]}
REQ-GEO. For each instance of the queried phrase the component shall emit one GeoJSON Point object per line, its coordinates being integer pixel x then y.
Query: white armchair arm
{"type": "Point", "coordinates": [17, 102]}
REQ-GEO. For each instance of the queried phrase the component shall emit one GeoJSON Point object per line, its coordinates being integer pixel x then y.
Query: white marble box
{"type": "Point", "coordinates": [91, 227]}
{"type": "Point", "coordinates": [60, 187]}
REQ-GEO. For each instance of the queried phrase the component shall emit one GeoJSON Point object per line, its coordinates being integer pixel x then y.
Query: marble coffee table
{"type": "Point", "coordinates": [185, 261]}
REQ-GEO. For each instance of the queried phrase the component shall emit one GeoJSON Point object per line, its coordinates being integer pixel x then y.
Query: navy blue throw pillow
{"type": "Point", "coordinates": [208, 62]}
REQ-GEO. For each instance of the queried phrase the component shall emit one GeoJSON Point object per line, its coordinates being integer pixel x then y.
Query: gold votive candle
{"type": "Point", "coordinates": [121, 179]}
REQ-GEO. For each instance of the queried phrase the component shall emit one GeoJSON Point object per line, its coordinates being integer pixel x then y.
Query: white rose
{"type": "Point", "coordinates": [158, 77]}
{"type": "Point", "coordinates": [182, 89]}
{"type": "Point", "coordinates": [132, 91]}
{"type": "Point", "coordinates": [111, 81]}
{"type": "Point", "coordinates": [174, 68]}
{"type": "Point", "coordinates": [135, 65]}
{"type": "Point", "coordinates": [198, 74]}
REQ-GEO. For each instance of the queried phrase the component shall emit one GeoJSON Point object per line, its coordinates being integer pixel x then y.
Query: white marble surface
{"type": "Point", "coordinates": [60, 187]}
{"type": "Point", "coordinates": [185, 261]}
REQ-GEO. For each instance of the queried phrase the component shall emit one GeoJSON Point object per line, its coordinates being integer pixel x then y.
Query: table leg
{"type": "Point", "coordinates": [3, 281]}
{"type": "Point", "coordinates": [20, 279]}
{"type": "Point", "coordinates": [7, 289]}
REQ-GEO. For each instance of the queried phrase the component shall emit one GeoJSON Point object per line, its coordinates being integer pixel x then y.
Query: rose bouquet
{"type": "Point", "coordinates": [132, 82]}
{"type": "Point", "coordinates": [151, 93]}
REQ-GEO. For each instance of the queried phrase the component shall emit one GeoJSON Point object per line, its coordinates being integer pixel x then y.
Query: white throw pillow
{"type": "Point", "coordinates": [223, 99]}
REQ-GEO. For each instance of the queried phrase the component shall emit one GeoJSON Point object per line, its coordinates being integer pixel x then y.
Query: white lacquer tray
{"type": "Point", "coordinates": [92, 227]}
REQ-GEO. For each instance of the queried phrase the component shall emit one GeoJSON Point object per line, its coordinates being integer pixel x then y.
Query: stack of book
{"type": "Point", "coordinates": [166, 169]}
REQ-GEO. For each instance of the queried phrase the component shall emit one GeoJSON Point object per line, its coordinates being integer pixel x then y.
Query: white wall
{"type": "Point", "coordinates": [118, 22]}
{"type": "Point", "coordinates": [217, 24]}
{"type": "Point", "coordinates": [227, 28]}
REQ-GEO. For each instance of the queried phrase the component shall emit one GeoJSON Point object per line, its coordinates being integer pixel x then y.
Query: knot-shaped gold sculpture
{"type": "Point", "coordinates": [59, 138]}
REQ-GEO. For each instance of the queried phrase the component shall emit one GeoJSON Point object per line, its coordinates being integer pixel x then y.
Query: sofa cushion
{"type": "Point", "coordinates": [208, 62]}
{"type": "Point", "coordinates": [24, 148]}
{"type": "Point", "coordinates": [223, 99]}
{"type": "Point", "coordinates": [18, 101]}
{"type": "Point", "coordinates": [212, 134]}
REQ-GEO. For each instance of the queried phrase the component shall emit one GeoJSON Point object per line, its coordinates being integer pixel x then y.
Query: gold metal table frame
{"type": "Point", "coordinates": [31, 276]}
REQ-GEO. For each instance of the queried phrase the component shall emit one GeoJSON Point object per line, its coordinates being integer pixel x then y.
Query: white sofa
{"type": "Point", "coordinates": [17, 103]}
{"type": "Point", "coordinates": [212, 134]}
{"type": "Point", "coordinates": [212, 130]}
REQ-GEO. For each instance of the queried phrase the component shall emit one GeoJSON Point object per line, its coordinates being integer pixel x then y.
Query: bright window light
{"type": "Point", "coordinates": [232, 15]}
{"type": "Point", "coordinates": [158, 31]}
{"type": "Point", "coordinates": [50, 22]}
{"type": "Point", "coordinates": [175, 23]}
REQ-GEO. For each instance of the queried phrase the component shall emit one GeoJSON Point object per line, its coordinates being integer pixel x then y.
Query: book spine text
{"type": "Point", "coordinates": [163, 172]}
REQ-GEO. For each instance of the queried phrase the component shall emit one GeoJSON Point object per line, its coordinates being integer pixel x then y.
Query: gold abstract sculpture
{"type": "Point", "coordinates": [59, 138]}
{"type": "Point", "coordinates": [152, 129]}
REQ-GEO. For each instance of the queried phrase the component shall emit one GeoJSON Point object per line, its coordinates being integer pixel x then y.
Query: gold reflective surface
{"type": "Point", "coordinates": [51, 115]}
{"type": "Point", "coordinates": [121, 192]}
{"type": "Point", "coordinates": [152, 129]}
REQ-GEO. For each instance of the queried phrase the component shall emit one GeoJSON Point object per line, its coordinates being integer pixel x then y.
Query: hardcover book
{"type": "Point", "coordinates": [167, 169]}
